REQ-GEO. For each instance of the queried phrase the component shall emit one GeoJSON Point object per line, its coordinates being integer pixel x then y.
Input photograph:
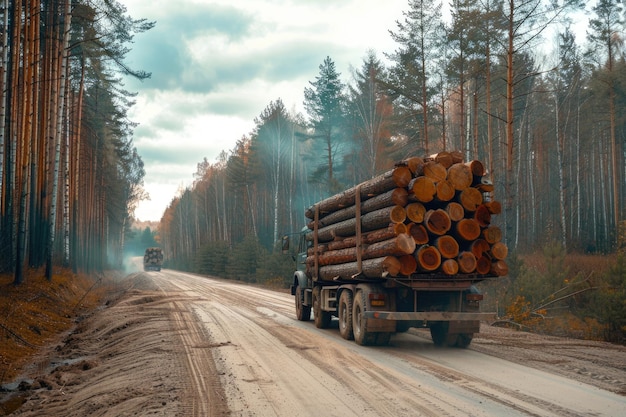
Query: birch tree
{"type": "Point", "coordinates": [603, 34]}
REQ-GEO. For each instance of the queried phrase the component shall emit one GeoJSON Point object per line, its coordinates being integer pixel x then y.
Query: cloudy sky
{"type": "Point", "coordinates": [217, 64]}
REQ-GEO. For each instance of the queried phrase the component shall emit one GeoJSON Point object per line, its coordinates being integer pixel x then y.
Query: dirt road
{"type": "Point", "coordinates": [180, 345]}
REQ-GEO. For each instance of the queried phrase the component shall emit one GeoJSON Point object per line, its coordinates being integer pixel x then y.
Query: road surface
{"type": "Point", "coordinates": [181, 344]}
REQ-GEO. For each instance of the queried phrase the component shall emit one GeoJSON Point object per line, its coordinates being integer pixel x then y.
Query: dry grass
{"type": "Point", "coordinates": [576, 263]}
{"type": "Point", "coordinates": [37, 312]}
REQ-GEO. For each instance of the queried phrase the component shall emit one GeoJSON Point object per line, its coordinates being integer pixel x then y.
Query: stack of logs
{"type": "Point", "coordinates": [426, 216]}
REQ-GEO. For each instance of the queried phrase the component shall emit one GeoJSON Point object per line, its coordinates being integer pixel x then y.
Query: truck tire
{"type": "Point", "coordinates": [359, 323]}
{"type": "Point", "coordinates": [303, 313]}
{"type": "Point", "coordinates": [322, 318]}
{"type": "Point", "coordinates": [440, 335]}
{"type": "Point", "coordinates": [345, 315]}
{"type": "Point", "coordinates": [463, 340]}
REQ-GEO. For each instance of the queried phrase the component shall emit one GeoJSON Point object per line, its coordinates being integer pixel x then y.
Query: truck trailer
{"type": "Point", "coordinates": [404, 249]}
{"type": "Point", "coordinates": [153, 259]}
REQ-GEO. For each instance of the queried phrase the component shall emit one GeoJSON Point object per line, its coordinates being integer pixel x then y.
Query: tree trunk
{"type": "Point", "coordinates": [394, 197]}
{"type": "Point", "coordinates": [371, 268]}
{"type": "Point", "coordinates": [377, 219]}
{"type": "Point", "coordinates": [397, 246]}
{"type": "Point", "coordinates": [400, 176]}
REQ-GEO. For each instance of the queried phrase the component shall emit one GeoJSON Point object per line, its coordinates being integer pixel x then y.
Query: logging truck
{"type": "Point", "coordinates": [404, 249]}
{"type": "Point", "coordinates": [153, 259]}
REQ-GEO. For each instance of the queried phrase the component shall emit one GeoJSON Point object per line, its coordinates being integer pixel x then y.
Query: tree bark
{"type": "Point", "coordinates": [397, 246]}
{"type": "Point", "coordinates": [374, 220]}
{"type": "Point", "coordinates": [371, 268]}
{"type": "Point", "coordinates": [400, 177]}
{"type": "Point", "coordinates": [394, 197]}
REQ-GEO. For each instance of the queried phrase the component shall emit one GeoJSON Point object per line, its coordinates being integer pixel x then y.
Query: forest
{"type": "Point", "coordinates": [506, 83]}
{"type": "Point", "coordinates": [70, 175]}
{"type": "Point", "coordinates": [549, 126]}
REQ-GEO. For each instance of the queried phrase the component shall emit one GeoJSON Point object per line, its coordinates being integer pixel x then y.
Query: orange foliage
{"type": "Point", "coordinates": [37, 312]}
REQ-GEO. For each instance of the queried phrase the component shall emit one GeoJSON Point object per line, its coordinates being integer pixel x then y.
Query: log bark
{"type": "Point", "coordinates": [367, 238]}
{"type": "Point", "coordinates": [437, 222]}
{"type": "Point", "coordinates": [377, 219]}
{"type": "Point", "coordinates": [428, 258]}
{"type": "Point", "coordinates": [397, 246]}
{"type": "Point", "coordinates": [460, 176]}
{"type": "Point", "coordinates": [423, 189]}
{"type": "Point", "coordinates": [394, 197]}
{"type": "Point", "coordinates": [399, 177]}
{"type": "Point", "coordinates": [371, 268]}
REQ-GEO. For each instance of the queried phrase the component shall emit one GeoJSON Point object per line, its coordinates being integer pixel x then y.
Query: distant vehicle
{"type": "Point", "coordinates": [153, 259]}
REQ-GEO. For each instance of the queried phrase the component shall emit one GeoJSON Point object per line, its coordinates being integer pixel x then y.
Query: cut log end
{"type": "Point", "coordinates": [437, 222]}
{"type": "Point", "coordinates": [467, 262]}
{"type": "Point", "coordinates": [428, 258]}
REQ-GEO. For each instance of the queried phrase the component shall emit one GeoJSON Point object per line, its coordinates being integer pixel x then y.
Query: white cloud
{"type": "Point", "coordinates": [217, 64]}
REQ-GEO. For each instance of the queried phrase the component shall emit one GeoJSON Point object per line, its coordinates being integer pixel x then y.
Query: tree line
{"type": "Point", "coordinates": [69, 173]}
{"type": "Point", "coordinates": [546, 114]}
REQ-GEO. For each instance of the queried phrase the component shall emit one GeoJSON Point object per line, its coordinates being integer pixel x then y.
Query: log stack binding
{"type": "Point", "coordinates": [427, 217]}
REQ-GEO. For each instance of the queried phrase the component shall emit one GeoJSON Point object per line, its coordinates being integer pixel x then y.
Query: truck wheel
{"type": "Point", "coordinates": [303, 313]}
{"type": "Point", "coordinates": [441, 336]}
{"type": "Point", "coordinates": [464, 339]}
{"type": "Point", "coordinates": [345, 315]}
{"type": "Point", "coordinates": [359, 323]}
{"type": "Point", "coordinates": [322, 318]}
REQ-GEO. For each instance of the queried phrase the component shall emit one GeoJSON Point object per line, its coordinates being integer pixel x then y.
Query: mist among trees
{"type": "Point", "coordinates": [507, 83]}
